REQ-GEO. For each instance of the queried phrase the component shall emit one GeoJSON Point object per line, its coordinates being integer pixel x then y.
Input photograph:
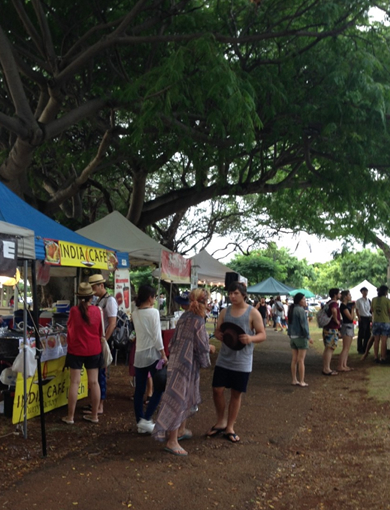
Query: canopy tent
{"type": "Point", "coordinates": [25, 251]}
{"type": "Point", "coordinates": [356, 294]}
{"type": "Point", "coordinates": [307, 293]}
{"type": "Point", "coordinates": [270, 287]}
{"type": "Point", "coordinates": [117, 231]}
{"type": "Point", "coordinates": [207, 269]}
{"type": "Point", "coordinates": [210, 270]}
{"type": "Point", "coordinates": [14, 210]}
{"type": "Point", "coordinates": [25, 237]}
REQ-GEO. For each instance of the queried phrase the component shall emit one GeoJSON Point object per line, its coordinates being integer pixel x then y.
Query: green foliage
{"type": "Point", "coordinates": [275, 262]}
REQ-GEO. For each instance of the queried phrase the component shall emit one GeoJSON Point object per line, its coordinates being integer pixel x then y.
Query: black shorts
{"type": "Point", "coordinates": [225, 378]}
{"type": "Point", "coordinates": [90, 362]}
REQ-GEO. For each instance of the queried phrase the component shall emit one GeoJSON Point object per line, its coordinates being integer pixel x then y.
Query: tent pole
{"type": "Point", "coordinates": [159, 283]}
{"type": "Point", "coordinates": [25, 319]}
{"type": "Point", "coordinates": [38, 355]}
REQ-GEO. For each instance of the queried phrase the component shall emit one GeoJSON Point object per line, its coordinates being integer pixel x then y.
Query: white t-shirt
{"type": "Point", "coordinates": [148, 336]}
{"type": "Point", "coordinates": [110, 308]}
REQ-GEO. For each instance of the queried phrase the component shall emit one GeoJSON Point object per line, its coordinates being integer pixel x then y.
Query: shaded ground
{"type": "Point", "coordinates": [322, 447]}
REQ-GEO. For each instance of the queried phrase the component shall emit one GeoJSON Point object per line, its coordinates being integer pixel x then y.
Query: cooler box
{"type": "Point", "coordinates": [63, 306]}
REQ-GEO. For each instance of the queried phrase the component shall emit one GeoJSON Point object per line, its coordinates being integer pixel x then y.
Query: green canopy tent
{"type": "Point", "coordinates": [270, 287]}
{"type": "Point", "coordinates": [305, 292]}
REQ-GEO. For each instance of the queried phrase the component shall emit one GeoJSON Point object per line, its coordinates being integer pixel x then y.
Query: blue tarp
{"type": "Point", "coordinates": [15, 210]}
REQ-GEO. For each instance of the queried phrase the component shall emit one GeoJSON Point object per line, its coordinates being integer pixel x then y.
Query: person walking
{"type": "Point", "coordinates": [347, 311]}
{"type": "Point", "coordinates": [233, 367]}
{"type": "Point", "coordinates": [188, 352]}
{"type": "Point", "coordinates": [84, 333]}
{"type": "Point", "coordinates": [149, 349]}
{"type": "Point", "coordinates": [298, 331]}
{"type": "Point", "coordinates": [381, 323]}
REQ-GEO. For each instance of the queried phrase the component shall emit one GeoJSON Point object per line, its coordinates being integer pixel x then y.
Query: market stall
{"type": "Point", "coordinates": [55, 247]}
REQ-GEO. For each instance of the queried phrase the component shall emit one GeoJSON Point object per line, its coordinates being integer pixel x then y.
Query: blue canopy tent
{"type": "Point", "coordinates": [15, 210]}
{"type": "Point", "coordinates": [269, 287]}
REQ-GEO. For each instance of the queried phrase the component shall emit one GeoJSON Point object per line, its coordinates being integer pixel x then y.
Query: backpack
{"type": "Point", "coordinates": [120, 337]}
{"type": "Point", "coordinates": [322, 317]}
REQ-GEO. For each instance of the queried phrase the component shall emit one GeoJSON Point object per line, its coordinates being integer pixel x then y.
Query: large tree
{"type": "Point", "coordinates": [155, 106]}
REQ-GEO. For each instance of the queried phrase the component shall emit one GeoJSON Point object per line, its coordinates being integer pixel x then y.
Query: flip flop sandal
{"type": "Point", "coordinates": [179, 452]}
{"type": "Point", "coordinates": [215, 431]}
{"type": "Point", "coordinates": [333, 372]}
{"type": "Point", "coordinates": [187, 435]}
{"type": "Point", "coordinates": [232, 437]}
{"type": "Point", "coordinates": [68, 422]}
{"type": "Point", "coordinates": [89, 418]}
{"type": "Point", "coordinates": [89, 411]}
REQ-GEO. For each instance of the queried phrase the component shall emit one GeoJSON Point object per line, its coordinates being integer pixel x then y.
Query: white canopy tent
{"type": "Point", "coordinates": [26, 251]}
{"type": "Point", "coordinates": [356, 294]}
{"type": "Point", "coordinates": [210, 270]}
{"type": "Point", "coordinates": [25, 236]}
{"type": "Point", "coordinates": [118, 232]}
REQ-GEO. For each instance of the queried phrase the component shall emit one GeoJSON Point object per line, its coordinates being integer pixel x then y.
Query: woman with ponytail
{"type": "Point", "coordinates": [85, 330]}
{"type": "Point", "coordinates": [298, 331]}
{"type": "Point", "coordinates": [188, 352]}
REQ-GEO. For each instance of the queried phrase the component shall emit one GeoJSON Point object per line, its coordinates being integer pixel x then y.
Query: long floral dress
{"type": "Point", "coordinates": [188, 352]}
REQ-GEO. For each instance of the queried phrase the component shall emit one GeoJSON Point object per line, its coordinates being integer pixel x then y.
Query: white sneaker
{"type": "Point", "coordinates": [145, 426]}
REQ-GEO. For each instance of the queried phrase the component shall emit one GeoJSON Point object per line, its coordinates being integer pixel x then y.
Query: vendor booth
{"type": "Point", "coordinates": [56, 247]}
{"type": "Point", "coordinates": [116, 231]}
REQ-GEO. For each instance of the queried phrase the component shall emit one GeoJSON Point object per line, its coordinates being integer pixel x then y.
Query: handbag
{"type": "Point", "coordinates": [106, 353]}
{"type": "Point", "coordinates": [160, 377]}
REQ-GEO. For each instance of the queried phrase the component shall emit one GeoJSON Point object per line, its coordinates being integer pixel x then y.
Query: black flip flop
{"type": "Point", "coordinates": [232, 437]}
{"type": "Point", "coordinates": [332, 372]}
{"type": "Point", "coordinates": [215, 431]}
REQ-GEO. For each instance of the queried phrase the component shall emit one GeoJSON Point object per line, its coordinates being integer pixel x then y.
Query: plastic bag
{"type": "Point", "coordinates": [8, 377]}
{"type": "Point", "coordinates": [31, 362]}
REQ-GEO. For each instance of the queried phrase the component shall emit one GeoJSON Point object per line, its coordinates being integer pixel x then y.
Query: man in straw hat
{"type": "Point", "coordinates": [243, 326]}
{"type": "Point", "coordinates": [110, 311]}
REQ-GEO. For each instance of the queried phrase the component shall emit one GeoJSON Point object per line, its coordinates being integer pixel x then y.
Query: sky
{"type": "Point", "coordinates": [302, 246]}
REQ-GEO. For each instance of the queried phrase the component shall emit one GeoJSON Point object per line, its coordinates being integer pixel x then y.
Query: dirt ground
{"type": "Point", "coordinates": [321, 447]}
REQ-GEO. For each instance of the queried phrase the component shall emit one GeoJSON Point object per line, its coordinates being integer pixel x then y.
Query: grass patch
{"type": "Point", "coordinates": [378, 380]}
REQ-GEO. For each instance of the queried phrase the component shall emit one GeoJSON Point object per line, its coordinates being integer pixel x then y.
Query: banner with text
{"type": "Point", "coordinates": [8, 255]}
{"type": "Point", "coordinates": [55, 382]}
{"type": "Point", "coordinates": [175, 268]}
{"type": "Point", "coordinates": [61, 253]}
{"type": "Point", "coordinates": [122, 289]}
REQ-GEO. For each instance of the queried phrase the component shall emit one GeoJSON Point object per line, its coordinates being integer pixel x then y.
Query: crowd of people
{"type": "Point", "coordinates": [238, 327]}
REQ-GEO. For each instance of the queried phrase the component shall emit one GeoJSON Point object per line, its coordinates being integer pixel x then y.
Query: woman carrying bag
{"type": "Point", "coordinates": [149, 349]}
{"type": "Point", "coordinates": [84, 348]}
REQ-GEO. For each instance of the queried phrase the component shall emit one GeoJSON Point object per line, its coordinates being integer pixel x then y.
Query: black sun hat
{"type": "Point", "coordinates": [231, 333]}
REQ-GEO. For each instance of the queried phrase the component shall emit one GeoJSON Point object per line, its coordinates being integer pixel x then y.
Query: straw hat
{"type": "Point", "coordinates": [85, 290]}
{"type": "Point", "coordinates": [96, 279]}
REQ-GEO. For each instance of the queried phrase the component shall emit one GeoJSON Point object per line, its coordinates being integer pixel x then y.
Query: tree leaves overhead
{"type": "Point", "coordinates": [156, 107]}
